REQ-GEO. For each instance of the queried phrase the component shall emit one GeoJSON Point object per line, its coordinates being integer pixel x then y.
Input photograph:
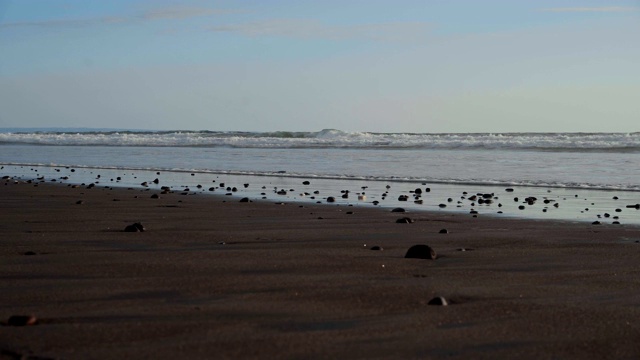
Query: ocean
{"type": "Point", "coordinates": [573, 176]}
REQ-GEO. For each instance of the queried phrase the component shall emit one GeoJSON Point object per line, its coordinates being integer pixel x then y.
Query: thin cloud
{"type": "Point", "coordinates": [313, 29]}
{"type": "Point", "coordinates": [157, 14]}
{"type": "Point", "coordinates": [594, 9]}
{"type": "Point", "coordinates": [184, 13]}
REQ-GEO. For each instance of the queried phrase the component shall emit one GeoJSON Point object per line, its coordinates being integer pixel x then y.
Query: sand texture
{"type": "Point", "coordinates": [214, 278]}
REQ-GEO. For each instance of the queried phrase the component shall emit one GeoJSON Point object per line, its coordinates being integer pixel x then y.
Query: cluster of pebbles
{"type": "Point", "coordinates": [477, 203]}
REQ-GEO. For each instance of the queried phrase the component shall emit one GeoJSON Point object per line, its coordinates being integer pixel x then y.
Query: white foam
{"type": "Point", "coordinates": [609, 142]}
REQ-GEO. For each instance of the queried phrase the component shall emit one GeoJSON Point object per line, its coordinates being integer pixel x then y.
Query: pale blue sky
{"type": "Point", "coordinates": [383, 66]}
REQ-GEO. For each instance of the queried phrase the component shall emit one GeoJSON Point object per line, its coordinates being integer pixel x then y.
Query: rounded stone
{"type": "Point", "coordinates": [404, 220]}
{"type": "Point", "coordinates": [438, 301]}
{"type": "Point", "coordinates": [135, 227]}
{"type": "Point", "coordinates": [421, 252]}
{"type": "Point", "coordinates": [22, 320]}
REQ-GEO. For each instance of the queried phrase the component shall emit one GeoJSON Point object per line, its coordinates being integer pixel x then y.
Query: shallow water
{"type": "Point", "coordinates": [581, 174]}
{"type": "Point", "coordinates": [573, 204]}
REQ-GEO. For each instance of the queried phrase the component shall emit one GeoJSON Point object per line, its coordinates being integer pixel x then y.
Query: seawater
{"type": "Point", "coordinates": [581, 172]}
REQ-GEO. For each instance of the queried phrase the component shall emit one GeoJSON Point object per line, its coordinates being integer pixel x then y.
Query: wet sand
{"type": "Point", "coordinates": [212, 277]}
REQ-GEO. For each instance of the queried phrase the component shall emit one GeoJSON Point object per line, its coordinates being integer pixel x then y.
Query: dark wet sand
{"type": "Point", "coordinates": [214, 279]}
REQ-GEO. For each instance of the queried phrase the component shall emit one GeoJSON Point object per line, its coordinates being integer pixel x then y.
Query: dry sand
{"type": "Point", "coordinates": [215, 278]}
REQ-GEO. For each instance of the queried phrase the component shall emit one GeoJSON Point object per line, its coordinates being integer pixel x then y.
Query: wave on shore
{"type": "Point", "coordinates": [330, 138]}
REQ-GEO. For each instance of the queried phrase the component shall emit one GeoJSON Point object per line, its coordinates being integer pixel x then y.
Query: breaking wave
{"type": "Point", "coordinates": [331, 138]}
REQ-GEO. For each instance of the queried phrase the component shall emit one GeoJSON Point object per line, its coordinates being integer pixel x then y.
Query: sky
{"type": "Point", "coordinates": [424, 66]}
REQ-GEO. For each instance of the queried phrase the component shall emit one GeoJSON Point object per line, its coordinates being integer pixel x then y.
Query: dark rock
{"type": "Point", "coordinates": [79, 202]}
{"type": "Point", "coordinates": [404, 220]}
{"type": "Point", "coordinates": [156, 181]}
{"type": "Point", "coordinates": [521, 207]}
{"type": "Point", "coordinates": [30, 253]}
{"type": "Point", "coordinates": [376, 248]}
{"type": "Point", "coordinates": [442, 205]}
{"type": "Point", "coordinates": [508, 190]}
{"type": "Point", "coordinates": [22, 320]}
{"type": "Point", "coordinates": [331, 199]}
{"type": "Point", "coordinates": [155, 196]}
{"type": "Point", "coordinates": [398, 210]}
{"type": "Point", "coordinates": [403, 198]}
{"type": "Point", "coordinates": [421, 252]}
{"type": "Point", "coordinates": [636, 206]}
{"type": "Point", "coordinates": [618, 210]}
{"type": "Point", "coordinates": [244, 200]}
{"type": "Point", "coordinates": [443, 231]}
{"type": "Point", "coordinates": [246, 185]}
{"type": "Point", "coordinates": [306, 183]}
{"type": "Point", "coordinates": [418, 191]}
{"type": "Point", "coordinates": [439, 301]}
{"type": "Point", "coordinates": [595, 223]}
{"type": "Point", "coordinates": [135, 227]}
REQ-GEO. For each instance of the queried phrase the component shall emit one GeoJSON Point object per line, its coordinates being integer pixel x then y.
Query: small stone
{"type": "Point", "coordinates": [155, 196]}
{"type": "Point", "coordinates": [443, 231]}
{"type": "Point", "coordinates": [404, 220]}
{"type": "Point", "coordinates": [331, 199]}
{"type": "Point", "coordinates": [595, 223]}
{"type": "Point", "coordinates": [135, 227]}
{"type": "Point", "coordinates": [306, 183]}
{"type": "Point", "coordinates": [29, 253]}
{"type": "Point", "coordinates": [421, 252]}
{"type": "Point", "coordinates": [22, 320]}
{"type": "Point", "coordinates": [398, 210]}
{"type": "Point", "coordinates": [378, 248]}
{"type": "Point", "coordinates": [439, 301]}
{"type": "Point", "coordinates": [244, 200]}
{"type": "Point", "coordinates": [79, 202]}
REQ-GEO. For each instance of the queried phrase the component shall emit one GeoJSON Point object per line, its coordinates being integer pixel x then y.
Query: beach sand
{"type": "Point", "coordinates": [212, 277]}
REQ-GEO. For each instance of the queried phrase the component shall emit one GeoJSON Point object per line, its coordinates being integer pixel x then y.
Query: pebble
{"type": "Point", "coordinates": [135, 227]}
{"type": "Point", "coordinates": [443, 231]}
{"type": "Point", "coordinates": [421, 252]}
{"type": "Point", "coordinates": [398, 210]}
{"type": "Point", "coordinates": [22, 320]}
{"type": "Point", "coordinates": [376, 248]}
{"type": "Point", "coordinates": [404, 220]}
{"type": "Point", "coordinates": [439, 301]}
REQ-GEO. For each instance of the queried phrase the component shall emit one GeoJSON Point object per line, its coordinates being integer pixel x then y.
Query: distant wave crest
{"type": "Point", "coordinates": [331, 138]}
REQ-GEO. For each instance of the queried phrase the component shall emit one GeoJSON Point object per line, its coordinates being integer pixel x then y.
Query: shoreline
{"type": "Point", "coordinates": [214, 277]}
{"type": "Point", "coordinates": [582, 205]}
